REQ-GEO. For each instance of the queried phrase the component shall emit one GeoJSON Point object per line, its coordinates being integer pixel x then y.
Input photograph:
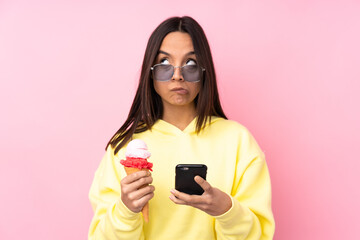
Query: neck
{"type": "Point", "coordinates": [179, 116]}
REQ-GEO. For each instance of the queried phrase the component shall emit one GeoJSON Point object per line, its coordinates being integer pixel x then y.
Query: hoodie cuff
{"type": "Point", "coordinates": [235, 212]}
{"type": "Point", "coordinates": [124, 212]}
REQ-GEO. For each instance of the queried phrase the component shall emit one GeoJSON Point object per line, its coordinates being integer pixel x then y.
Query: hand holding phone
{"type": "Point", "coordinates": [184, 179]}
{"type": "Point", "coordinates": [187, 191]}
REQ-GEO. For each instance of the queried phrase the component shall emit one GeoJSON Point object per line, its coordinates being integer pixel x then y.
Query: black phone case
{"type": "Point", "coordinates": [184, 179]}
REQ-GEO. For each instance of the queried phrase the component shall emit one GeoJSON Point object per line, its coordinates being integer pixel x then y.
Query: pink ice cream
{"type": "Point", "coordinates": [136, 155]}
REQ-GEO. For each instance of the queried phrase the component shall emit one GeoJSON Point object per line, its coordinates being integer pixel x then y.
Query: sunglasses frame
{"type": "Point", "coordinates": [181, 67]}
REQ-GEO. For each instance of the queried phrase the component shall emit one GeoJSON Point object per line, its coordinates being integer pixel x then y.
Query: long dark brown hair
{"type": "Point", "coordinates": [147, 105]}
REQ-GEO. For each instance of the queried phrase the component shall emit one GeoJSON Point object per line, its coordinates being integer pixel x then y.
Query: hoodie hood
{"type": "Point", "coordinates": [169, 129]}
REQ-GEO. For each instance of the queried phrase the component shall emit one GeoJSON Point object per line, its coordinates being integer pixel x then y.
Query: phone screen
{"type": "Point", "coordinates": [184, 179]}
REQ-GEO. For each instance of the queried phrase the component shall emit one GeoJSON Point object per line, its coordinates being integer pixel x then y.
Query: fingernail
{"type": "Point", "coordinates": [172, 190]}
{"type": "Point", "coordinates": [199, 179]}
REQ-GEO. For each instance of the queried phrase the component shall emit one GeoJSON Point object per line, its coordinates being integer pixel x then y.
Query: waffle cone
{"type": "Point", "coordinates": [145, 210]}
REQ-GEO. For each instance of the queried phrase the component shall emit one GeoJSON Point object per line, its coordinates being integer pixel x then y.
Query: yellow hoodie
{"type": "Point", "coordinates": [236, 165]}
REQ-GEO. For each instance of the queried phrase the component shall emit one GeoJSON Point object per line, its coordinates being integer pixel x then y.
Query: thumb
{"type": "Point", "coordinates": [203, 183]}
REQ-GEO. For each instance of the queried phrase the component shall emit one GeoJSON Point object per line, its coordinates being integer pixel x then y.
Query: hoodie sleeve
{"type": "Point", "coordinates": [112, 219]}
{"type": "Point", "coordinates": [250, 216]}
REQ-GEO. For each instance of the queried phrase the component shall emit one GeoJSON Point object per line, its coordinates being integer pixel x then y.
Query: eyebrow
{"type": "Point", "coordinates": [168, 54]}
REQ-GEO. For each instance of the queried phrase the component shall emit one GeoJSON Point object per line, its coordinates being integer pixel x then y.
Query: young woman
{"type": "Point", "coordinates": [177, 112]}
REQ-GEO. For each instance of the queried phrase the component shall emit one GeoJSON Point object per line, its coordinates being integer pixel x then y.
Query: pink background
{"type": "Point", "coordinates": [287, 70]}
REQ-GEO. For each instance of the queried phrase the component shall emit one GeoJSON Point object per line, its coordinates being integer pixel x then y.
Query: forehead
{"type": "Point", "coordinates": [177, 42]}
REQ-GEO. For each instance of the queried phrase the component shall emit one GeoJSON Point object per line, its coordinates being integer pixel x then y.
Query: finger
{"type": "Point", "coordinates": [138, 194]}
{"type": "Point", "coordinates": [142, 182]}
{"type": "Point", "coordinates": [188, 199]}
{"type": "Point", "coordinates": [139, 183]}
{"type": "Point", "coordinates": [135, 176]}
{"type": "Point", "coordinates": [140, 203]}
{"type": "Point", "coordinates": [203, 183]}
{"type": "Point", "coordinates": [177, 200]}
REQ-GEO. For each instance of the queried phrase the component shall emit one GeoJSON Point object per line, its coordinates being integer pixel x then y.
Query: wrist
{"type": "Point", "coordinates": [227, 205]}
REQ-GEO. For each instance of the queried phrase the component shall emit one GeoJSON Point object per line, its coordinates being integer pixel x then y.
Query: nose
{"type": "Point", "coordinates": [177, 74]}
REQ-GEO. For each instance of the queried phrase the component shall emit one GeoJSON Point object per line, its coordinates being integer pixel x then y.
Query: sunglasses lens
{"type": "Point", "coordinates": [163, 72]}
{"type": "Point", "coordinates": [191, 73]}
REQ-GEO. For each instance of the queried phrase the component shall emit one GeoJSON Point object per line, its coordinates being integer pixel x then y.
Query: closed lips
{"type": "Point", "coordinates": [180, 90]}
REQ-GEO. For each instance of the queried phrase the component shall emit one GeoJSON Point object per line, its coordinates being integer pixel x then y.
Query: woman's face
{"type": "Point", "coordinates": [177, 49]}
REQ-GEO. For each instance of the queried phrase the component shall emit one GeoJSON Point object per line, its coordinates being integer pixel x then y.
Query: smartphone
{"type": "Point", "coordinates": [184, 178]}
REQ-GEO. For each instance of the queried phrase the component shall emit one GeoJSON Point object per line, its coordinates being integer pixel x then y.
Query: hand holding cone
{"type": "Point", "coordinates": [145, 210]}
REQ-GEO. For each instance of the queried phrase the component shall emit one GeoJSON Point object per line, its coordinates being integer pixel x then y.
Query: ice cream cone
{"type": "Point", "coordinates": [136, 160]}
{"type": "Point", "coordinates": [145, 209]}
